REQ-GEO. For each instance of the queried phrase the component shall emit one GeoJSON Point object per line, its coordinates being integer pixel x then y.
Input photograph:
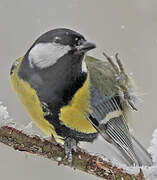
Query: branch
{"type": "Point", "coordinates": [81, 160]}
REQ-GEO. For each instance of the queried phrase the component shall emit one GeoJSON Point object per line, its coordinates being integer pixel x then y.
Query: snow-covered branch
{"type": "Point", "coordinates": [82, 160]}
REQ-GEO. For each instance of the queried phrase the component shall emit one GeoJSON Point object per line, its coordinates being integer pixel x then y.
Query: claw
{"type": "Point", "coordinates": [120, 65]}
{"type": "Point", "coordinates": [132, 105]}
{"type": "Point", "coordinates": [112, 63]}
{"type": "Point", "coordinates": [124, 82]}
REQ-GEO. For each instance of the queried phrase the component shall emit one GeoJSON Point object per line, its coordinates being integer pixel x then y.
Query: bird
{"type": "Point", "coordinates": [74, 97]}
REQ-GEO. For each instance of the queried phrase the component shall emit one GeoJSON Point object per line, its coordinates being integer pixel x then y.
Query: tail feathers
{"type": "Point", "coordinates": [117, 132]}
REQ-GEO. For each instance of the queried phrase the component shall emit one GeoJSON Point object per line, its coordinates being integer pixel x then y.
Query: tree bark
{"type": "Point", "coordinates": [50, 149]}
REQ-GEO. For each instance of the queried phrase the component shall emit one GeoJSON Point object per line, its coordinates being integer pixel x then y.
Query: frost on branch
{"type": "Point", "coordinates": [4, 116]}
{"type": "Point", "coordinates": [6, 120]}
{"type": "Point", "coordinates": [82, 160]}
{"type": "Point", "coordinates": [150, 173]}
{"type": "Point", "coordinates": [153, 147]}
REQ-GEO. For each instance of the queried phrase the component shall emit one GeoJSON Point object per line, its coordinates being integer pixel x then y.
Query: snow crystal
{"type": "Point", "coordinates": [131, 73]}
{"type": "Point", "coordinates": [59, 158]}
{"type": "Point", "coordinates": [122, 26]}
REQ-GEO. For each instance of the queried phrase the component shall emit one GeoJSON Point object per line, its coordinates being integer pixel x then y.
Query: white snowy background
{"type": "Point", "coordinates": [124, 26]}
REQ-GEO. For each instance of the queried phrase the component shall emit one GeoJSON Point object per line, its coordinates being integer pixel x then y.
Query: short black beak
{"type": "Point", "coordinates": [85, 46]}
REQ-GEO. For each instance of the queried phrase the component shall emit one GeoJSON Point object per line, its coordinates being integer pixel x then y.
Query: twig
{"type": "Point", "coordinates": [81, 160]}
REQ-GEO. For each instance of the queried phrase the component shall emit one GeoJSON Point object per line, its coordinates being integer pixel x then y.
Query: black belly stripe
{"type": "Point", "coordinates": [64, 131]}
{"type": "Point", "coordinates": [60, 128]}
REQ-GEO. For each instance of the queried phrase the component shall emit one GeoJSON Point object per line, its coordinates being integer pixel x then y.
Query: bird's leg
{"type": "Point", "coordinates": [69, 145]}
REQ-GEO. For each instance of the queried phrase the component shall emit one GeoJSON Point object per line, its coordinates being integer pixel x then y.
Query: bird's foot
{"type": "Point", "coordinates": [69, 145]}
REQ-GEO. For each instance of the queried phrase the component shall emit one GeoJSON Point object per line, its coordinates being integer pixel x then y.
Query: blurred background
{"type": "Point", "coordinates": [124, 26]}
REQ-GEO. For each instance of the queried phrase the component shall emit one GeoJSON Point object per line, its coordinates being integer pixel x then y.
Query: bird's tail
{"type": "Point", "coordinates": [117, 133]}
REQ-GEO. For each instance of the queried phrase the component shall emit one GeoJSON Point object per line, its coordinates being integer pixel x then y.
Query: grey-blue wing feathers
{"type": "Point", "coordinates": [109, 108]}
{"type": "Point", "coordinates": [107, 117]}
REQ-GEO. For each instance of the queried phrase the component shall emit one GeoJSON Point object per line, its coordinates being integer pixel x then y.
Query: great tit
{"type": "Point", "coordinates": [75, 97]}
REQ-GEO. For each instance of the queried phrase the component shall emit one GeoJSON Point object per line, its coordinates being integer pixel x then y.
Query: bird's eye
{"type": "Point", "coordinates": [57, 39]}
{"type": "Point", "coordinates": [76, 39]}
{"type": "Point", "coordinates": [79, 42]}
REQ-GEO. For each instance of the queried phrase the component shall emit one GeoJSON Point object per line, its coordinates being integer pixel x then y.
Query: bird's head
{"type": "Point", "coordinates": [57, 44]}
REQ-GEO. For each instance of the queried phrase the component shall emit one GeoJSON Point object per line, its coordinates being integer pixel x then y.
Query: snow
{"type": "Point", "coordinates": [4, 116]}
{"type": "Point", "coordinates": [150, 173]}
{"type": "Point", "coordinates": [153, 147]}
{"type": "Point", "coordinates": [28, 129]}
{"type": "Point", "coordinates": [131, 73]}
{"type": "Point", "coordinates": [59, 158]}
{"type": "Point", "coordinates": [122, 26]}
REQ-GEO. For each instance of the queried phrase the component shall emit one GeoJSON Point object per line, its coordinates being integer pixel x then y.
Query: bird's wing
{"type": "Point", "coordinates": [106, 94]}
{"type": "Point", "coordinates": [107, 117]}
{"type": "Point", "coordinates": [108, 108]}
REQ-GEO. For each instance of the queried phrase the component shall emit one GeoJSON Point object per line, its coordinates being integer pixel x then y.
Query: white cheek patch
{"type": "Point", "coordinates": [44, 55]}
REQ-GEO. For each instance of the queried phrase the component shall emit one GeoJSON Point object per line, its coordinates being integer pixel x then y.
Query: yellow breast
{"type": "Point", "coordinates": [31, 102]}
{"type": "Point", "coordinates": [74, 114]}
